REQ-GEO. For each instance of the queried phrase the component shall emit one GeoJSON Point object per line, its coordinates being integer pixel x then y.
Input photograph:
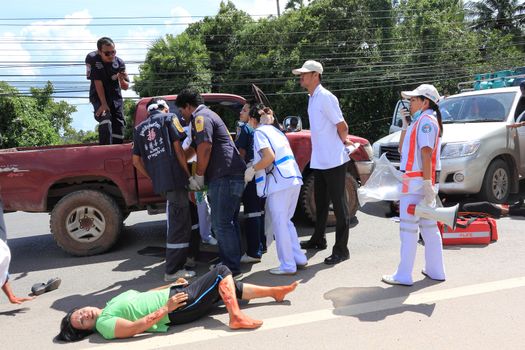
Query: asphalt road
{"type": "Point", "coordinates": [480, 306]}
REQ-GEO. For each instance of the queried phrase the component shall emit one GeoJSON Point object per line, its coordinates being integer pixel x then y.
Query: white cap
{"type": "Point", "coordinates": [309, 66]}
{"type": "Point", "coordinates": [5, 259]}
{"type": "Point", "coordinates": [426, 90]}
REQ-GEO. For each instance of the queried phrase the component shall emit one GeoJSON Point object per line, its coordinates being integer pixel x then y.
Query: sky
{"type": "Point", "coordinates": [49, 40]}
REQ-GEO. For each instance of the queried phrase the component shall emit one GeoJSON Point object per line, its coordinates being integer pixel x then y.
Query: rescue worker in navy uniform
{"type": "Point", "coordinates": [253, 205]}
{"type": "Point", "coordinates": [219, 162]}
{"type": "Point", "coordinates": [158, 155]}
{"type": "Point", "coordinates": [420, 146]}
{"type": "Point", "coordinates": [108, 76]}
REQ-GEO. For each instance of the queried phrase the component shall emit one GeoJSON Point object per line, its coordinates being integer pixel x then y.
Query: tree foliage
{"type": "Point", "coordinates": [32, 121]}
{"type": "Point", "coordinates": [370, 50]}
{"type": "Point", "coordinates": [182, 55]}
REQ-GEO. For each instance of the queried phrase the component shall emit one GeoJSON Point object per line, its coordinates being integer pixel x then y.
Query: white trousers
{"type": "Point", "coordinates": [408, 231]}
{"type": "Point", "coordinates": [281, 206]}
{"type": "Point", "coordinates": [203, 211]}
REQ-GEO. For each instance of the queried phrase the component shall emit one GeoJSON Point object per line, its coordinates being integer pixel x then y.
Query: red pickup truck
{"type": "Point", "coordinates": [90, 189]}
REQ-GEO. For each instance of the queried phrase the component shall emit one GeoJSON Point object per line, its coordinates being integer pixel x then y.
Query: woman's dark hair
{"type": "Point", "coordinates": [68, 333]}
{"type": "Point", "coordinates": [435, 108]}
{"type": "Point", "coordinates": [254, 113]}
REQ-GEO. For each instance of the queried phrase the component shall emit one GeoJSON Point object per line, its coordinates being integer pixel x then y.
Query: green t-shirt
{"type": "Point", "coordinates": [133, 305]}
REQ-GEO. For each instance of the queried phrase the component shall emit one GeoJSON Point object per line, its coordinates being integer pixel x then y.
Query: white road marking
{"type": "Point", "coordinates": [152, 342]}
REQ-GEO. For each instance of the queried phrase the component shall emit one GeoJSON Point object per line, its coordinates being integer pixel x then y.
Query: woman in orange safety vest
{"type": "Point", "coordinates": [419, 146]}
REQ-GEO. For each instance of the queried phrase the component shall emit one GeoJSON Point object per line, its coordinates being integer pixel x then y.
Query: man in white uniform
{"type": "Point", "coordinates": [328, 160]}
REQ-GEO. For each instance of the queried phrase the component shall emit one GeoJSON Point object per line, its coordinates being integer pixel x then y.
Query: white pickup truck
{"type": "Point", "coordinates": [480, 154]}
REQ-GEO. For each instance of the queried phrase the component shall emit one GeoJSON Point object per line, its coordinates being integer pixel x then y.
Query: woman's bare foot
{"type": "Point", "coordinates": [241, 321]}
{"type": "Point", "coordinates": [281, 291]}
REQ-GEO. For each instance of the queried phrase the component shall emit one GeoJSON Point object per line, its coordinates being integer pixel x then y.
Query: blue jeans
{"type": "Point", "coordinates": [225, 200]}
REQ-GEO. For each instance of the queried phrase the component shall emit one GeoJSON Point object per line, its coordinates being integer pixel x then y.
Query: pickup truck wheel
{"type": "Point", "coordinates": [496, 184]}
{"type": "Point", "coordinates": [86, 222]}
{"type": "Point", "coordinates": [307, 199]}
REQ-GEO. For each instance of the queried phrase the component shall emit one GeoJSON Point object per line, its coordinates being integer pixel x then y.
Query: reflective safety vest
{"type": "Point", "coordinates": [411, 174]}
{"type": "Point", "coordinates": [284, 171]}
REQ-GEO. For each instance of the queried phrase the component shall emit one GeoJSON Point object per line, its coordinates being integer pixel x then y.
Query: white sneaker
{"type": "Point", "coordinates": [181, 273]}
{"type": "Point", "coordinates": [389, 279]}
{"type": "Point", "coordinates": [278, 271]}
{"type": "Point", "coordinates": [211, 241]}
{"type": "Point", "coordinates": [246, 259]}
{"type": "Point", "coordinates": [190, 263]}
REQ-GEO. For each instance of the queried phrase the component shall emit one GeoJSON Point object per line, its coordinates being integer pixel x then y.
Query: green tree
{"type": "Point", "coordinates": [220, 36]}
{"type": "Point", "coordinates": [504, 15]}
{"type": "Point", "coordinates": [58, 113]}
{"type": "Point", "coordinates": [294, 5]}
{"type": "Point", "coordinates": [129, 115]}
{"type": "Point", "coordinates": [80, 137]}
{"type": "Point", "coordinates": [32, 120]}
{"type": "Point", "coordinates": [172, 64]}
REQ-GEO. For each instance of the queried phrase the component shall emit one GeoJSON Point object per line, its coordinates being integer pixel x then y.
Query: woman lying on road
{"type": "Point", "coordinates": [132, 312]}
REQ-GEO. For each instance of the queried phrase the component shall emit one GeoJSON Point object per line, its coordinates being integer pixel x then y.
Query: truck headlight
{"type": "Point", "coordinates": [460, 149]}
{"type": "Point", "coordinates": [369, 151]}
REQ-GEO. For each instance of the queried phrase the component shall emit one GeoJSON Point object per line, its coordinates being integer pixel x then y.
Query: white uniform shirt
{"type": "Point", "coordinates": [324, 114]}
{"type": "Point", "coordinates": [275, 140]}
{"type": "Point", "coordinates": [427, 133]}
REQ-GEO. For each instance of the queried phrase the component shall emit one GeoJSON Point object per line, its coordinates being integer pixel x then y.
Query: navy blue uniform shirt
{"type": "Point", "coordinates": [153, 142]}
{"type": "Point", "coordinates": [244, 140]}
{"type": "Point", "coordinates": [96, 69]}
{"type": "Point", "coordinates": [207, 126]}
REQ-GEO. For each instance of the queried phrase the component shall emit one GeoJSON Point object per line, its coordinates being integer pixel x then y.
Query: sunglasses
{"type": "Point", "coordinates": [109, 53]}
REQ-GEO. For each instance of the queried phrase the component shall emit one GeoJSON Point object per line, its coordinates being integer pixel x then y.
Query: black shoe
{"type": "Point", "coordinates": [313, 245]}
{"type": "Point", "coordinates": [335, 259]}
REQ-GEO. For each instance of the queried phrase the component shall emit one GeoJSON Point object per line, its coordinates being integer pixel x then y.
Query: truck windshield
{"type": "Point", "coordinates": [477, 108]}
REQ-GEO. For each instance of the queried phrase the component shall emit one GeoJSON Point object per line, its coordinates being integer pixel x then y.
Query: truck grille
{"type": "Point", "coordinates": [392, 154]}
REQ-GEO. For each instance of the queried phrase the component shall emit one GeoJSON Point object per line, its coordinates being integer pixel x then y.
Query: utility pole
{"type": "Point", "coordinates": [278, 9]}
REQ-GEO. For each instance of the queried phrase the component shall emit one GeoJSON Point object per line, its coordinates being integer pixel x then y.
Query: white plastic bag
{"type": "Point", "coordinates": [384, 183]}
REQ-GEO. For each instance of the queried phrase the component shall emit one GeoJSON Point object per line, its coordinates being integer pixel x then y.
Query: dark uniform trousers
{"type": "Point", "coordinates": [195, 238]}
{"type": "Point", "coordinates": [111, 125]}
{"type": "Point", "coordinates": [329, 185]}
{"type": "Point", "coordinates": [179, 230]}
{"type": "Point", "coordinates": [203, 294]}
{"type": "Point", "coordinates": [254, 221]}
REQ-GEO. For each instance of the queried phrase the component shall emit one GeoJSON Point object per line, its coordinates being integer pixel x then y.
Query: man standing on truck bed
{"type": "Point", "coordinates": [328, 160]}
{"type": "Point", "coordinates": [158, 154]}
{"type": "Point", "coordinates": [108, 76]}
{"type": "Point", "coordinates": [219, 161]}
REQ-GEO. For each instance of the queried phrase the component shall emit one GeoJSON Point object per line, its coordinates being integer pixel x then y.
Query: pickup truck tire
{"type": "Point", "coordinates": [86, 222]}
{"type": "Point", "coordinates": [307, 199]}
{"type": "Point", "coordinates": [496, 183]}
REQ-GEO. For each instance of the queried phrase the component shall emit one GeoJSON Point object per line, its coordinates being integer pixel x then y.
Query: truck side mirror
{"type": "Point", "coordinates": [292, 124]}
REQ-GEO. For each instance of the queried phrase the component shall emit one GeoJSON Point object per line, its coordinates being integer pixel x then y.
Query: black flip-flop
{"type": "Point", "coordinates": [41, 288]}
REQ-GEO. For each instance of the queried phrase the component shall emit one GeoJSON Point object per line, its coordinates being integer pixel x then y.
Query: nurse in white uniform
{"type": "Point", "coordinates": [420, 146]}
{"type": "Point", "coordinates": [277, 178]}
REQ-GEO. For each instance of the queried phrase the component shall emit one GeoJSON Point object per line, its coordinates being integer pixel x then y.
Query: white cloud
{"type": "Point", "coordinates": [15, 59]}
{"type": "Point", "coordinates": [71, 42]}
{"type": "Point", "coordinates": [180, 21]}
{"type": "Point", "coordinates": [260, 7]}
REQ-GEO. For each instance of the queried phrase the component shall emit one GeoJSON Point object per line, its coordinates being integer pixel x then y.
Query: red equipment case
{"type": "Point", "coordinates": [473, 230]}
